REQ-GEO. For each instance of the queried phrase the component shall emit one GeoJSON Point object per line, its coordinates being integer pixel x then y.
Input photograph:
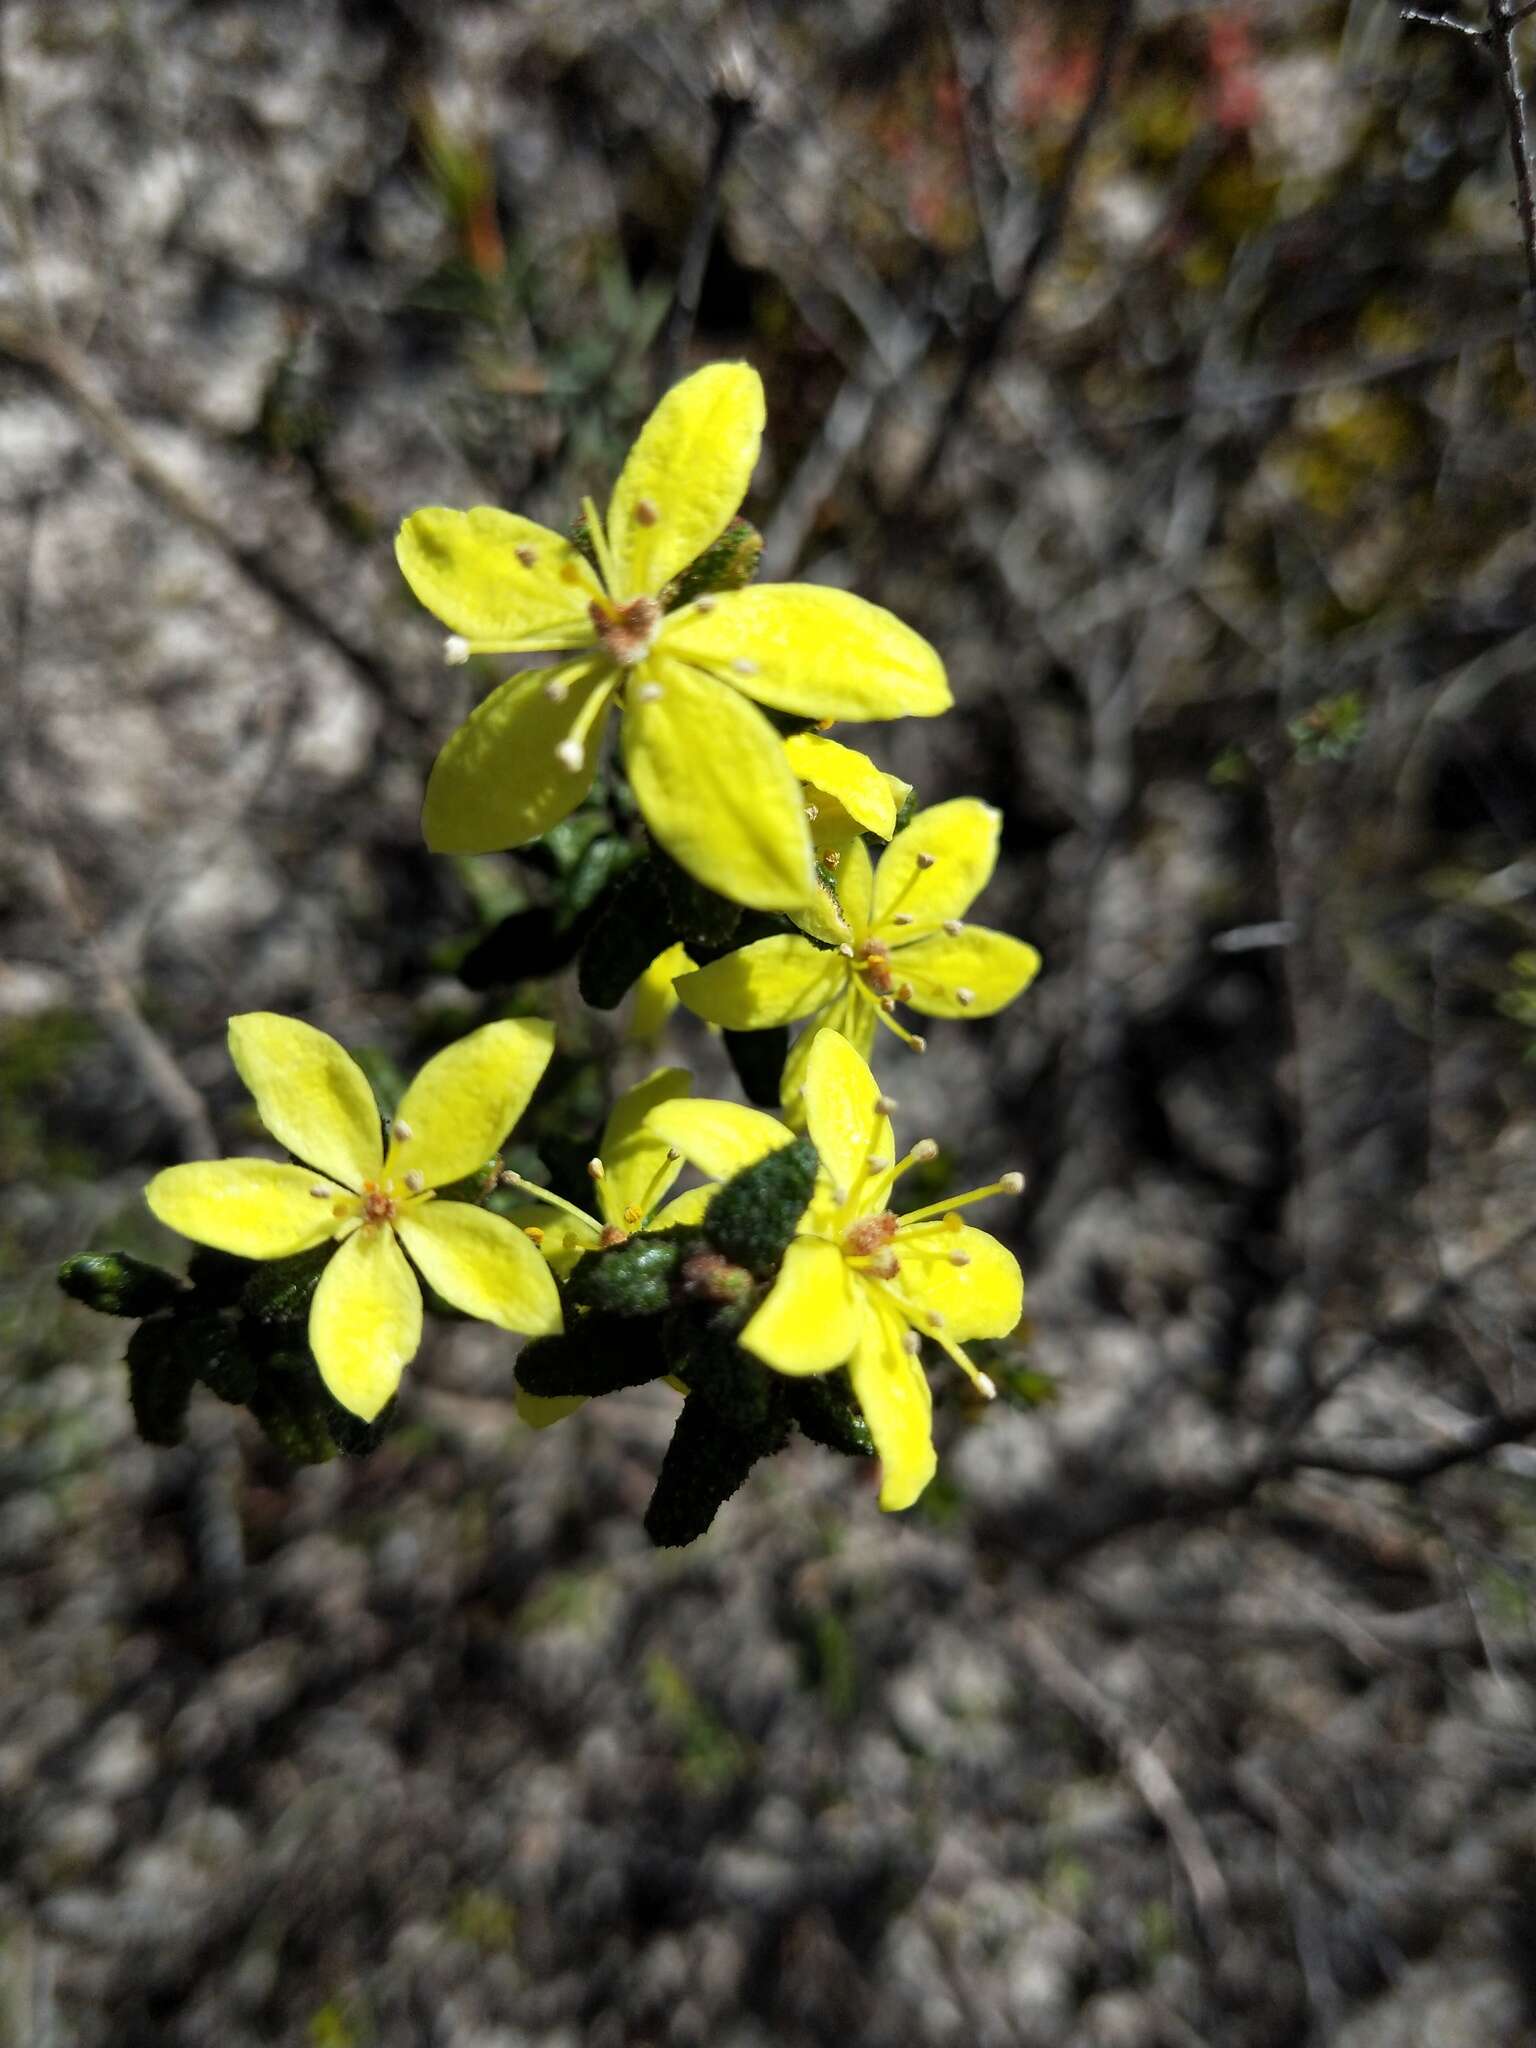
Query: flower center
{"type": "Point", "coordinates": [376, 1204]}
{"type": "Point", "coordinates": [873, 961]}
{"type": "Point", "coordinates": [626, 633]}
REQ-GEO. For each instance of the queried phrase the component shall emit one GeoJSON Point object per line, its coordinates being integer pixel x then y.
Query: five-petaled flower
{"type": "Point", "coordinates": [365, 1319]}
{"type": "Point", "coordinates": [861, 1284]}
{"type": "Point", "coordinates": [708, 770]}
{"type": "Point", "coordinates": [899, 939]}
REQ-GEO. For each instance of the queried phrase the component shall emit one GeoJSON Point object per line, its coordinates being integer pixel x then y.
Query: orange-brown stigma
{"type": "Point", "coordinates": [377, 1201]}
{"type": "Point", "coordinates": [870, 1239]}
{"type": "Point", "coordinates": [627, 632]}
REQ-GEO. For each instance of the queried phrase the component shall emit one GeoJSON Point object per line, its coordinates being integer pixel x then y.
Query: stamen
{"type": "Point", "coordinates": [908, 1038]}
{"type": "Point", "coordinates": [531, 1187]}
{"type": "Point", "coordinates": [829, 857]}
{"type": "Point", "coordinates": [339, 1209]}
{"type": "Point", "coordinates": [322, 1194]}
{"type": "Point", "coordinates": [1010, 1184]}
{"type": "Point", "coordinates": [570, 754]}
{"type": "Point", "coordinates": [743, 667]}
{"type": "Point", "coordinates": [903, 917]}
{"type": "Point", "coordinates": [557, 689]}
{"type": "Point", "coordinates": [533, 1232]}
{"type": "Point", "coordinates": [645, 512]}
{"type": "Point", "coordinates": [846, 950]}
{"type": "Point", "coordinates": [965, 997]}
{"type": "Point", "coordinates": [925, 860]}
{"type": "Point", "coordinates": [953, 926]}
{"type": "Point", "coordinates": [415, 1180]}
{"type": "Point", "coordinates": [887, 1105]}
{"type": "Point", "coordinates": [959, 1258]}
{"type": "Point", "coordinates": [600, 548]}
{"type": "Point", "coordinates": [875, 1163]}
{"type": "Point", "coordinates": [648, 693]}
{"type": "Point", "coordinates": [812, 813]}
{"type": "Point", "coordinates": [525, 555]}
{"type": "Point", "coordinates": [632, 1215]}
{"type": "Point", "coordinates": [597, 1169]}
{"type": "Point", "coordinates": [401, 1133]}
{"type": "Point", "coordinates": [661, 1180]}
{"type": "Point", "coordinates": [455, 650]}
{"type": "Point", "coordinates": [911, 1342]}
{"type": "Point", "coordinates": [705, 605]}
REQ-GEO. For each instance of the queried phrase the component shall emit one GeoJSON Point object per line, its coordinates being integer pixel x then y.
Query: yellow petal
{"type": "Point", "coordinates": [822, 653]}
{"type": "Point", "coordinates": [687, 1208]}
{"type": "Point", "coordinates": [854, 1019]}
{"type": "Point", "coordinates": [463, 1103]}
{"type": "Point", "coordinates": [890, 1387]}
{"type": "Point", "coordinates": [709, 774]}
{"type": "Point", "coordinates": [772, 981]}
{"type": "Point", "coordinates": [855, 880]}
{"type": "Point", "coordinates": [498, 579]}
{"type": "Point", "coordinates": [655, 996]}
{"type": "Point", "coordinates": [498, 781]}
{"type": "Point", "coordinates": [636, 1170]}
{"type": "Point", "coordinates": [960, 839]}
{"type": "Point", "coordinates": [982, 1298]}
{"type": "Point", "coordinates": [823, 918]}
{"type": "Point", "coordinates": [990, 967]}
{"type": "Point", "coordinates": [810, 1319]}
{"type": "Point", "coordinates": [482, 1264]}
{"type": "Point", "coordinates": [365, 1320]}
{"type": "Point", "coordinates": [311, 1095]}
{"type": "Point", "coordinates": [251, 1207]}
{"type": "Point", "coordinates": [841, 1118]}
{"type": "Point", "coordinates": [541, 1411]}
{"type": "Point", "coordinates": [719, 1138]}
{"type": "Point", "coordinates": [847, 777]}
{"type": "Point", "coordinates": [685, 476]}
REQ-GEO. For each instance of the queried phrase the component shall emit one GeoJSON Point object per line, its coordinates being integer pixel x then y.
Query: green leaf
{"type": "Point", "coordinates": [118, 1284]}
{"type": "Point", "coordinates": [634, 924]}
{"type": "Point", "coordinates": [218, 1277]}
{"type": "Point", "coordinates": [706, 1462]}
{"type": "Point", "coordinates": [823, 1406]}
{"type": "Point", "coordinates": [280, 1290]}
{"type": "Point", "coordinates": [703, 1352]}
{"type": "Point", "coordinates": [159, 1383]}
{"type": "Point", "coordinates": [210, 1347]}
{"type": "Point", "coordinates": [753, 1217]}
{"type": "Point", "coordinates": [630, 1279]}
{"type": "Point", "coordinates": [291, 1404]}
{"type": "Point", "coordinates": [524, 947]}
{"type": "Point", "coordinates": [730, 563]}
{"type": "Point", "coordinates": [598, 1354]}
{"type": "Point", "coordinates": [699, 916]}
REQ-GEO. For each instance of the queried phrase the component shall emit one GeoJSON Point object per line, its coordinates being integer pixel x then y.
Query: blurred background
{"type": "Point", "coordinates": [1161, 363]}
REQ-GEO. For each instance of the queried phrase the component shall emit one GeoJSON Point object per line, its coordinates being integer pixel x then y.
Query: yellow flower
{"type": "Point", "coordinates": [630, 1177]}
{"type": "Point", "coordinates": [365, 1319]}
{"type": "Point", "coordinates": [708, 769]}
{"type": "Point", "coordinates": [895, 936]}
{"type": "Point", "coordinates": [861, 1284]}
{"type": "Point", "coordinates": [655, 997]}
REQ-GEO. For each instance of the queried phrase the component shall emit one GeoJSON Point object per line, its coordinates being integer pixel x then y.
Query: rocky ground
{"type": "Point", "coordinates": [1196, 1704]}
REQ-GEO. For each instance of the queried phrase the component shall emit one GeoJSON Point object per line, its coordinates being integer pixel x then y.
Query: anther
{"type": "Point", "coordinates": [986, 1386]}
{"type": "Point", "coordinates": [673, 1153]}
{"type": "Point", "coordinates": [743, 667]}
{"type": "Point", "coordinates": [706, 605]}
{"type": "Point", "coordinates": [830, 857]}
{"type": "Point", "coordinates": [911, 1341]}
{"type": "Point", "coordinates": [648, 693]}
{"type": "Point", "coordinates": [935, 1319]}
{"type": "Point", "coordinates": [953, 926]}
{"type": "Point", "coordinates": [525, 555]}
{"type": "Point", "coordinates": [569, 755]}
{"type": "Point", "coordinates": [902, 917]}
{"type": "Point", "coordinates": [924, 1150]}
{"type": "Point", "coordinates": [959, 1258]}
{"type": "Point", "coordinates": [965, 997]}
{"type": "Point", "coordinates": [557, 690]}
{"type": "Point", "coordinates": [339, 1208]}
{"type": "Point", "coordinates": [1011, 1184]}
{"type": "Point", "coordinates": [597, 1169]}
{"type": "Point", "coordinates": [645, 512]}
{"type": "Point", "coordinates": [846, 950]}
{"type": "Point", "coordinates": [402, 1133]}
{"type": "Point", "coordinates": [322, 1194]}
{"type": "Point", "coordinates": [887, 1105]}
{"type": "Point", "coordinates": [926, 860]}
{"type": "Point", "coordinates": [533, 1233]}
{"type": "Point", "coordinates": [415, 1180]}
{"type": "Point", "coordinates": [812, 813]}
{"type": "Point", "coordinates": [631, 1214]}
{"type": "Point", "coordinates": [904, 992]}
{"type": "Point", "coordinates": [918, 1044]}
{"type": "Point", "coordinates": [875, 1163]}
{"type": "Point", "coordinates": [455, 650]}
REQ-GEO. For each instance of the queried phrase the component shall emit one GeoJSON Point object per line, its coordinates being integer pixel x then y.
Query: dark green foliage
{"type": "Point", "coordinates": [823, 1406]}
{"type": "Point", "coordinates": [474, 1187]}
{"type": "Point", "coordinates": [730, 563]}
{"type": "Point", "coordinates": [353, 1437]}
{"type": "Point", "coordinates": [294, 1410]}
{"type": "Point", "coordinates": [118, 1284]}
{"type": "Point", "coordinates": [597, 1355]}
{"type": "Point", "coordinates": [159, 1382]}
{"type": "Point", "coordinates": [211, 1348]}
{"type": "Point", "coordinates": [758, 1057]}
{"type": "Point", "coordinates": [699, 916]}
{"type": "Point", "coordinates": [218, 1278]}
{"type": "Point", "coordinates": [280, 1290]}
{"type": "Point", "coordinates": [904, 818]}
{"type": "Point", "coordinates": [546, 939]}
{"type": "Point", "coordinates": [703, 1352]}
{"type": "Point", "coordinates": [706, 1462]}
{"type": "Point", "coordinates": [754, 1215]}
{"type": "Point", "coordinates": [634, 924]}
{"type": "Point", "coordinates": [630, 1279]}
